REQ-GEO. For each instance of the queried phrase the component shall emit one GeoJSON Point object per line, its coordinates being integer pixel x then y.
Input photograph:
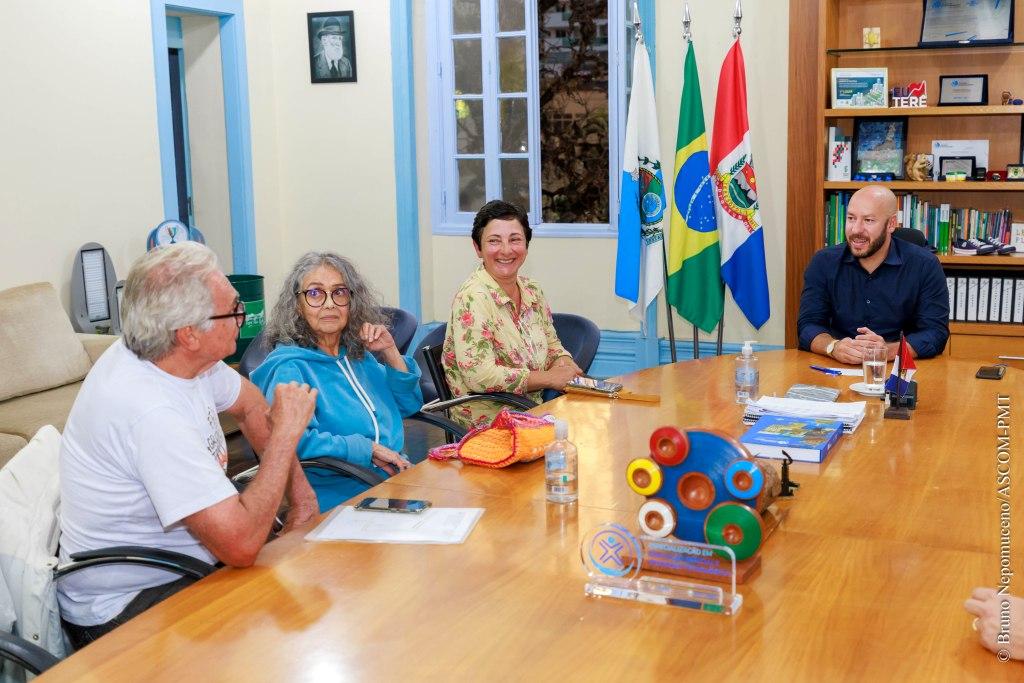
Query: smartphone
{"type": "Point", "coordinates": [392, 505]}
{"type": "Point", "coordinates": [596, 384]}
{"type": "Point", "coordinates": [990, 372]}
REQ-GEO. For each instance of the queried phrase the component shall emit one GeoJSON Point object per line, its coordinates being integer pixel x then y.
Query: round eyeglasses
{"type": "Point", "coordinates": [316, 296]}
{"type": "Point", "coordinates": [238, 314]}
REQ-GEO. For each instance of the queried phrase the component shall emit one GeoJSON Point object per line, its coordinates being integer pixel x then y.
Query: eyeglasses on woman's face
{"type": "Point", "coordinates": [316, 296]}
{"type": "Point", "coordinates": [238, 314]}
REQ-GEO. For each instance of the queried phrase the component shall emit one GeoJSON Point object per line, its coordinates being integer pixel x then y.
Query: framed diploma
{"type": "Point", "coordinates": [951, 23]}
{"type": "Point", "coordinates": [963, 90]}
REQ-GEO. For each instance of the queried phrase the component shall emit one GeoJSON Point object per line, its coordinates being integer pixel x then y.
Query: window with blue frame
{"type": "Point", "coordinates": [528, 108]}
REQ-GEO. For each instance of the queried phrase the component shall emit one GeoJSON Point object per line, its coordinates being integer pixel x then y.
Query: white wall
{"type": "Point", "coordinates": [577, 274]}
{"type": "Point", "coordinates": [79, 156]}
{"type": "Point", "coordinates": [204, 92]}
{"type": "Point", "coordinates": [335, 149]}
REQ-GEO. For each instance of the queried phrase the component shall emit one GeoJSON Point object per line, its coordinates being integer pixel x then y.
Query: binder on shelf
{"type": "Point", "coordinates": [983, 287]}
{"type": "Point", "coordinates": [995, 305]}
{"type": "Point", "coordinates": [961, 299]}
{"type": "Point", "coordinates": [972, 299]}
{"type": "Point", "coordinates": [1005, 313]}
{"type": "Point", "coordinates": [1018, 301]}
{"type": "Point", "coordinates": [951, 286]}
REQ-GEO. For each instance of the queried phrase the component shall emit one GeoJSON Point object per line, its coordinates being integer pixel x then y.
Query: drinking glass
{"type": "Point", "coordinates": [874, 366]}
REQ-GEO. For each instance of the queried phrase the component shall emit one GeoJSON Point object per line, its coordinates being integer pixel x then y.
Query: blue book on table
{"type": "Point", "coordinates": [803, 438]}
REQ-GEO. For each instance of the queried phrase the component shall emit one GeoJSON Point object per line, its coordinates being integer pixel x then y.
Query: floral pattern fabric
{"type": "Point", "coordinates": [489, 348]}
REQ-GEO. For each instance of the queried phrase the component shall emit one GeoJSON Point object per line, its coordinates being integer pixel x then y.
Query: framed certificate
{"type": "Point", "coordinates": [963, 90]}
{"type": "Point", "coordinates": [859, 88]}
{"type": "Point", "coordinates": [951, 23]}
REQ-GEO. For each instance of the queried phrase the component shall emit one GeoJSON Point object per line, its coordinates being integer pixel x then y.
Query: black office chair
{"type": "Point", "coordinates": [32, 658]}
{"type": "Point", "coordinates": [580, 337]}
{"type": "Point", "coordinates": [402, 325]}
{"type": "Point", "coordinates": [913, 236]}
{"type": "Point", "coordinates": [428, 355]}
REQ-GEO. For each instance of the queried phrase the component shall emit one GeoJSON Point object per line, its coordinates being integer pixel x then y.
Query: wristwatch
{"type": "Point", "coordinates": [831, 347]}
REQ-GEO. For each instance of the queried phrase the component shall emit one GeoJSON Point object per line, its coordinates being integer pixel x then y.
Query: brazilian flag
{"type": "Point", "coordinates": [694, 260]}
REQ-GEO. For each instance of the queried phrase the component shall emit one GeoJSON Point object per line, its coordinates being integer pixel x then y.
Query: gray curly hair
{"type": "Point", "coordinates": [288, 326]}
{"type": "Point", "coordinates": [167, 289]}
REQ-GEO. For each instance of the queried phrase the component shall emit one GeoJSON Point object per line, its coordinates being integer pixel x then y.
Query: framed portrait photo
{"type": "Point", "coordinates": [332, 47]}
{"type": "Point", "coordinates": [879, 145]}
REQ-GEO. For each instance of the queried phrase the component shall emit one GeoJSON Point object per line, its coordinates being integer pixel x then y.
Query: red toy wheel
{"type": "Point", "coordinates": [669, 446]}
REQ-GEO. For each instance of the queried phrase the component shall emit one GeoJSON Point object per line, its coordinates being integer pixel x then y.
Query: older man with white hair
{"type": "Point", "coordinates": [143, 457]}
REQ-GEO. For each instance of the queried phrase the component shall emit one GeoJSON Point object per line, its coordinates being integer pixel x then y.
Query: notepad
{"type": "Point", "coordinates": [435, 525]}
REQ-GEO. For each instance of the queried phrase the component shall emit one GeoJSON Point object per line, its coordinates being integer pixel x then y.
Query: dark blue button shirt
{"type": "Point", "coordinates": [907, 293]}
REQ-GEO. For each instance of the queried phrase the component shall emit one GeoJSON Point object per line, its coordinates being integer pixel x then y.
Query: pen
{"type": "Point", "coordinates": [827, 371]}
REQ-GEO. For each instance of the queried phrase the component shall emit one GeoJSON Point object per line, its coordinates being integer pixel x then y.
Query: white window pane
{"type": "Point", "coordinates": [573, 56]}
{"type": "Point", "coordinates": [466, 16]}
{"type": "Point", "coordinates": [468, 69]}
{"type": "Point", "coordinates": [471, 184]}
{"type": "Point", "coordinates": [515, 182]}
{"type": "Point", "coordinates": [469, 126]}
{"type": "Point", "coordinates": [511, 15]}
{"type": "Point", "coordinates": [513, 122]}
{"type": "Point", "coordinates": [512, 63]}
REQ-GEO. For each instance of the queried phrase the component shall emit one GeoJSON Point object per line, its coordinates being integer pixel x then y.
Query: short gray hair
{"type": "Point", "coordinates": [167, 289]}
{"type": "Point", "coordinates": [288, 326]}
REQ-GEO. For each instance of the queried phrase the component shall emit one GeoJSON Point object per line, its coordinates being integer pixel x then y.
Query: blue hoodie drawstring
{"type": "Point", "coordinates": [364, 398]}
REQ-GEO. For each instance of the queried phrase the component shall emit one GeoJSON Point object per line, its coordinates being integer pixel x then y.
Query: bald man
{"type": "Point", "coordinates": [865, 292]}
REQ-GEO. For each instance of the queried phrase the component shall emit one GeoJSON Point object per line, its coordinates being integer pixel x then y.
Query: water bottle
{"type": "Point", "coordinates": [560, 467]}
{"type": "Point", "coordinates": [747, 377]}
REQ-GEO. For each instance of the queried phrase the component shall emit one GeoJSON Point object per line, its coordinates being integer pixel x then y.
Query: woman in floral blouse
{"type": "Point", "coordinates": [501, 336]}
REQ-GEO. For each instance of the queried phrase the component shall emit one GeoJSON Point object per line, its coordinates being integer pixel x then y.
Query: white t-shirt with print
{"type": "Point", "coordinates": [142, 450]}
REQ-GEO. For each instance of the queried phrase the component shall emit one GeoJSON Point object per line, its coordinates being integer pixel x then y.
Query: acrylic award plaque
{"type": "Point", "coordinates": [628, 567]}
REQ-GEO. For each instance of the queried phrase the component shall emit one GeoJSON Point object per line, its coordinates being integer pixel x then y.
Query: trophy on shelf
{"type": "Point", "coordinates": [709, 508]}
{"type": "Point", "coordinates": [900, 390]}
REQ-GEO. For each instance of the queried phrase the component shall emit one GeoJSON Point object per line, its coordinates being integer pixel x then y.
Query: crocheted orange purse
{"type": "Point", "coordinates": [511, 437]}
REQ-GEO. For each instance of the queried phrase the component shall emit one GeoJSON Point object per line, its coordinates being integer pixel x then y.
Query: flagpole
{"type": "Point", "coordinates": [737, 19]}
{"type": "Point", "coordinates": [688, 37]}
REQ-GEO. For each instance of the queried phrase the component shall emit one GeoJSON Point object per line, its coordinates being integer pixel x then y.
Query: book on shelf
{"type": "Point", "coordinates": [942, 224]}
{"type": "Point", "coordinates": [837, 164]}
{"type": "Point", "coordinates": [804, 439]}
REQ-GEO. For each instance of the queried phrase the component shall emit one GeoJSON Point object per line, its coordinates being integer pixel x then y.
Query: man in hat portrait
{"type": "Point", "coordinates": [330, 61]}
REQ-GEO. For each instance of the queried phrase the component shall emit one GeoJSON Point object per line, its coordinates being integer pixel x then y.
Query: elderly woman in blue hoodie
{"type": "Point", "coordinates": [328, 331]}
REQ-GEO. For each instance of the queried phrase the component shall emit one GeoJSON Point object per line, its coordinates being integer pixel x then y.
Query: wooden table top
{"type": "Point", "coordinates": [864, 580]}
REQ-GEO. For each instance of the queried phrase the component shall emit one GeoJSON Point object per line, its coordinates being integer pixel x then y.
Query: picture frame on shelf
{"type": "Point", "coordinates": [971, 89]}
{"type": "Point", "coordinates": [965, 165]}
{"type": "Point", "coordinates": [880, 145]}
{"type": "Point", "coordinates": [860, 88]}
{"type": "Point", "coordinates": [955, 23]}
{"type": "Point", "coordinates": [1015, 172]}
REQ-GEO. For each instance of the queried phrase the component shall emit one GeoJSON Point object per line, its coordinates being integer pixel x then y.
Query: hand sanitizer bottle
{"type": "Point", "coordinates": [747, 378]}
{"type": "Point", "coordinates": [560, 467]}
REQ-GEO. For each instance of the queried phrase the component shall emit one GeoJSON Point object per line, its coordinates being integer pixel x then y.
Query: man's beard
{"type": "Point", "coordinates": [333, 52]}
{"type": "Point", "coordinates": [872, 248]}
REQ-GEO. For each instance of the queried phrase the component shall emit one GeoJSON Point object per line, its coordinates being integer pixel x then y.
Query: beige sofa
{"type": "Point", "coordinates": [42, 364]}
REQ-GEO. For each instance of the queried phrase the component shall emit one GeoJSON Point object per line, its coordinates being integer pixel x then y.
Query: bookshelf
{"type": "Point", "coordinates": [825, 34]}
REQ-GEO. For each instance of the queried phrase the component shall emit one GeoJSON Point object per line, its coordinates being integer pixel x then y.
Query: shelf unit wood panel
{"type": "Point", "coordinates": [987, 262]}
{"type": "Point", "coordinates": [989, 110]}
{"type": "Point", "coordinates": [928, 186]}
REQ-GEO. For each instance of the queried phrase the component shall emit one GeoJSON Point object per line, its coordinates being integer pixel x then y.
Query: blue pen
{"type": "Point", "coordinates": [827, 371]}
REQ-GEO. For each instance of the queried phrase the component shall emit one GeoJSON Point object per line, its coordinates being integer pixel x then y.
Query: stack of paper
{"type": "Point", "coordinates": [850, 414]}
{"type": "Point", "coordinates": [435, 525]}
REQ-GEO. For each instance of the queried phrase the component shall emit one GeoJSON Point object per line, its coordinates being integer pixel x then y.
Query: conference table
{"type": "Point", "coordinates": [864, 579]}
